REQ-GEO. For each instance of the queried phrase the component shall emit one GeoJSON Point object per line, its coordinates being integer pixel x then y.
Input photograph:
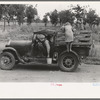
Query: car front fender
{"type": "Point", "coordinates": [13, 51]}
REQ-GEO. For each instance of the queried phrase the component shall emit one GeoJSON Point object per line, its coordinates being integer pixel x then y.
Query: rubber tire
{"type": "Point", "coordinates": [62, 67]}
{"type": "Point", "coordinates": [11, 65]}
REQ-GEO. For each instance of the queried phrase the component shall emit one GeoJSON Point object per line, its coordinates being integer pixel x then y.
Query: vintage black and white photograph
{"type": "Point", "coordinates": [51, 41]}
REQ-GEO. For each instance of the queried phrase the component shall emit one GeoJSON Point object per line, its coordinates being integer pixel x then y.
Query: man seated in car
{"type": "Point", "coordinates": [42, 38]}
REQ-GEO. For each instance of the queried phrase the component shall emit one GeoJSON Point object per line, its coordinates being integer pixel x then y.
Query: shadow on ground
{"type": "Point", "coordinates": [36, 67]}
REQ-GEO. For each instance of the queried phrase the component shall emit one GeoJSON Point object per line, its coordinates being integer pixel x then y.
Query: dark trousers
{"type": "Point", "coordinates": [69, 46]}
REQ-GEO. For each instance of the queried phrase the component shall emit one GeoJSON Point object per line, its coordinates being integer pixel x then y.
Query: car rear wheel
{"type": "Point", "coordinates": [7, 61]}
{"type": "Point", "coordinates": [68, 62]}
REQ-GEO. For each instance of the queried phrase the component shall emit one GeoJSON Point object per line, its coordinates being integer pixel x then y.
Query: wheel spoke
{"type": "Point", "coordinates": [68, 62]}
{"type": "Point", "coordinates": [5, 60]}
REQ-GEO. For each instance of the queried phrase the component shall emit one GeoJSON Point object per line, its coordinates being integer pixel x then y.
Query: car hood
{"type": "Point", "coordinates": [22, 43]}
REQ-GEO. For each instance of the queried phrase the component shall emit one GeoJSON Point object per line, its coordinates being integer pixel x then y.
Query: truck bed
{"type": "Point", "coordinates": [83, 38]}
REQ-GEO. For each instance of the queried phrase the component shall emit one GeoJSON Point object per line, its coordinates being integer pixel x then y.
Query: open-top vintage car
{"type": "Point", "coordinates": [25, 52]}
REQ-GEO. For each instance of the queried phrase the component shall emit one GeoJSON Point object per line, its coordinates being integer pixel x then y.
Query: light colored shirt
{"type": "Point", "coordinates": [41, 37]}
{"type": "Point", "coordinates": [68, 33]}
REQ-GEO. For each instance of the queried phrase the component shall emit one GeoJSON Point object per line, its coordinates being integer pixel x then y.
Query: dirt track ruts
{"type": "Point", "coordinates": [44, 73]}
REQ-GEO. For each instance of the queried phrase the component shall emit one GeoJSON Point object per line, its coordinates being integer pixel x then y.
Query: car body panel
{"type": "Point", "coordinates": [21, 47]}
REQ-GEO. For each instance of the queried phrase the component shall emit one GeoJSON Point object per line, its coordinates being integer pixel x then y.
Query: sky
{"type": "Point", "coordinates": [48, 6]}
{"type": "Point", "coordinates": [44, 7]}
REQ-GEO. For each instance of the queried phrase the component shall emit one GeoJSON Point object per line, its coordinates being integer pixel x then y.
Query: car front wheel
{"type": "Point", "coordinates": [7, 61]}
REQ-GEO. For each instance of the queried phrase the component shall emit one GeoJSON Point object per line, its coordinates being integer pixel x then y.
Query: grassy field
{"type": "Point", "coordinates": [24, 32]}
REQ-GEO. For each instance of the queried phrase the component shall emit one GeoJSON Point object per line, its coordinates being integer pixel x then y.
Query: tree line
{"type": "Point", "coordinates": [17, 12]}
{"type": "Point", "coordinates": [28, 13]}
{"type": "Point", "coordinates": [75, 12]}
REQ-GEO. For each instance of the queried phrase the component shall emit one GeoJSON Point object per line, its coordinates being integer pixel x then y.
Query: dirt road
{"type": "Point", "coordinates": [44, 73]}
